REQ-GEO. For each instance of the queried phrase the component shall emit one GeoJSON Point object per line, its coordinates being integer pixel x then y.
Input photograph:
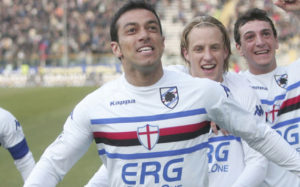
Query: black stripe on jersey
{"type": "Point", "coordinates": [119, 143]}
{"type": "Point", "coordinates": [184, 136]}
{"type": "Point", "coordinates": [289, 107]}
{"type": "Point", "coordinates": [162, 139]}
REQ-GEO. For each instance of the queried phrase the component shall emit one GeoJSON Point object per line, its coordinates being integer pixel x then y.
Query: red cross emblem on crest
{"type": "Point", "coordinates": [148, 136]}
{"type": "Point", "coordinates": [271, 115]}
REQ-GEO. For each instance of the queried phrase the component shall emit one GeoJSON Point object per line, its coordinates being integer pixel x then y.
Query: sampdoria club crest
{"type": "Point", "coordinates": [281, 80]}
{"type": "Point", "coordinates": [169, 96]}
{"type": "Point", "coordinates": [148, 135]}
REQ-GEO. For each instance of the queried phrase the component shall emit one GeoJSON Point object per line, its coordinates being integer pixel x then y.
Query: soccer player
{"type": "Point", "coordinates": [277, 87]}
{"type": "Point", "coordinates": [151, 125]}
{"type": "Point", "coordinates": [12, 138]}
{"type": "Point", "coordinates": [205, 46]}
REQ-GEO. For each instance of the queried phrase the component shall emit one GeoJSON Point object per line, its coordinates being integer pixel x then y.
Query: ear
{"type": "Point", "coordinates": [115, 47]}
{"type": "Point", "coordinates": [277, 44]}
{"type": "Point", "coordinates": [238, 47]}
{"type": "Point", "coordinates": [186, 55]}
{"type": "Point", "coordinates": [226, 53]}
{"type": "Point", "coordinates": [163, 42]}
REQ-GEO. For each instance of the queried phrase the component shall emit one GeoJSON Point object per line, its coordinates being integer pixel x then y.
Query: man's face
{"type": "Point", "coordinates": [141, 44]}
{"type": "Point", "coordinates": [258, 46]}
{"type": "Point", "coordinates": [206, 53]}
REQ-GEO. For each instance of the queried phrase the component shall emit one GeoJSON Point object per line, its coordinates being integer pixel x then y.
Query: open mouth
{"type": "Point", "coordinates": [262, 52]}
{"type": "Point", "coordinates": [145, 49]}
{"type": "Point", "coordinates": [208, 66]}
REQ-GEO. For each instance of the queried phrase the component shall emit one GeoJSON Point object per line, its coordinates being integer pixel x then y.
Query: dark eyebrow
{"type": "Point", "coordinates": [264, 30]}
{"type": "Point", "coordinates": [152, 21]}
{"type": "Point", "coordinates": [133, 23]}
{"type": "Point", "coordinates": [248, 32]}
{"type": "Point", "coordinates": [130, 24]}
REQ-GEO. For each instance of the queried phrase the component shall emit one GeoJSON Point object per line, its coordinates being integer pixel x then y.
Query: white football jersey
{"type": "Point", "coordinates": [155, 135]}
{"type": "Point", "coordinates": [279, 92]}
{"type": "Point", "coordinates": [12, 138]}
{"type": "Point", "coordinates": [231, 162]}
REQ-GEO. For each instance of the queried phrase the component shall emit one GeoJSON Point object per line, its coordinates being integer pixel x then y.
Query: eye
{"type": "Point", "coordinates": [266, 33]}
{"type": "Point", "coordinates": [198, 49]}
{"type": "Point", "coordinates": [249, 37]}
{"type": "Point", "coordinates": [215, 47]}
{"type": "Point", "coordinates": [153, 28]}
{"type": "Point", "coordinates": [131, 30]}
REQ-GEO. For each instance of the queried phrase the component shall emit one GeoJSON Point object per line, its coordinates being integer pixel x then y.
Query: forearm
{"type": "Point", "coordinates": [58, 159]}
{"type": "Point", "coordinates": [43, 175]}
{"type": "Point", "coordinates": [255, 169]}
{"type": "Point", "coordinates": [257, 134]}
{"type": "Point", "coordinates": [100, 178]}
{"type": "Point", "coordinates": [25, 165]}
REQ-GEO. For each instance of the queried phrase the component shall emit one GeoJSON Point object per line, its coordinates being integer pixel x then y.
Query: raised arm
{"type": "Point", "coordinates": [255, 132]}
{"type": "Point", "coordinates": [292, 6]}
{"type": "Point", "coordinates": [63, 153]}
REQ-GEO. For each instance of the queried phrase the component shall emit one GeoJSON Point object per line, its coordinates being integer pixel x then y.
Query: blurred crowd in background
{"type": "Point", "coordinates": [64, 33]}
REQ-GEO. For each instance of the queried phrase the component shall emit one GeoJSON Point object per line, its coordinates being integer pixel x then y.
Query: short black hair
{"type": "Point", "coordinates": [130, 5]}
{"type": "Point", "coordinates": [251, 15]}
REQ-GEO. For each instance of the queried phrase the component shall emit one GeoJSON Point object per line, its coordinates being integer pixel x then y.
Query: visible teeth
{"type": "Point", "coordinates": [145, 49]}
{"type": "Point", "coordinates": [261, 52]}
{"type": "Point", "coordinates": [208, 66]}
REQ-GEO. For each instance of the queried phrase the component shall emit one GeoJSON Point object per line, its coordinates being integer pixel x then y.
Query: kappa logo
{"type": "Point", "coordinates": [17, 124]}
{"type": "Point", "coordinates": [281, 80]}
{"type": "Point", "coordinates": [227, 90]}
{"type": "Point", "coordinates": [258, 110]}
{"type": "Point", "coordinates": [148, 135]}
{"type": "Point", "coordinates": [169, 96]}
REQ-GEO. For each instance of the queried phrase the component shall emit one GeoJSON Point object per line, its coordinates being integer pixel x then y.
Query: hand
{"type": "Point", "coordinates": [289, 5]}
{"type": "Point", "coordinates": [214, 128]}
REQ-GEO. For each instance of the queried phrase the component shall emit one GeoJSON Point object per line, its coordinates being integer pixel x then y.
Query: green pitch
{"type": "Point", "coordinates": [42, 113]}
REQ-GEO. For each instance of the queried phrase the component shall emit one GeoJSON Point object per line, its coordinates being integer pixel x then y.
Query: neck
{"type": "Point", "coordinates": [144, 78]}
{"type": "Point", "coordinates": [260, 71]}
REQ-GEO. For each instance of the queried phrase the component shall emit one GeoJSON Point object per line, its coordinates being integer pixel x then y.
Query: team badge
{"type": "Point", "coordinates": [271, 114]}
{"type": "Point", "coordinates": [281, 80]}
{"type": "Point", "coordinates": [148, 136]}
{"type": "Point", "coordinates": [169, 96]}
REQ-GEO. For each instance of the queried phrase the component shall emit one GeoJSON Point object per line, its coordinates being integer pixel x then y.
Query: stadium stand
{"type": "Point", "coordinates": [33, 36]}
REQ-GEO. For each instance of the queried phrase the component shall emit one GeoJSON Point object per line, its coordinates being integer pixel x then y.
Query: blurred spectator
{"type": "Point", "coordinates": [32, 32]}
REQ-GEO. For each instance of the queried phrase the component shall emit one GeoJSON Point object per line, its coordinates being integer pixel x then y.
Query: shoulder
{"type": "Point", "coordinates": [236, 81]}
{"type": "Point", "coordinates": [239, 86]}
{"type": "Point", "coordinates": [6, 117]}
{"type": "Point", "coordinates": [186, 80]}
{"type": "Point", "coordinates": [293, 72]}
{"type": "Point", "coordinates": [178, 68]}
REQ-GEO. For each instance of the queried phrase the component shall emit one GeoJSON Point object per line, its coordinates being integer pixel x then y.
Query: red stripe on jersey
{"type": "Point", "coordinates": [162, 132]}
{"type": "Point", "coordinates": [290, 102]}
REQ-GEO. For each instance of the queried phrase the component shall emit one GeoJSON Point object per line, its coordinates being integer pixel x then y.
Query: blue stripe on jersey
{"type": "Point", "coordinates": [284, 123]}
{"type": "Point", "coordinates": [280, 97]}
{"type": "Point", "coordinates": [267, 102]}
{"type": "Point", "coordinates": [223, 138]}
{"type": "Point", "coordinates": [293, 86]}
{"type": "Point", "coordinates": [19, 150]}
{"type": "Point", "coordinates": [148, 118]}
{"type": "Point", "coordinates": [154, 154]}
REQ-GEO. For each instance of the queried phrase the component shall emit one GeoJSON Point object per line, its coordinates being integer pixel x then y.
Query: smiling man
{"type": "Point", "coordinates": [277, 87]}
{"type": "Point", "coordinates": [158, 137]}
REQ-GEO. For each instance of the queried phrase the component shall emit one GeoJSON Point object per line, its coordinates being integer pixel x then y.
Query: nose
{"type": "Point", "coordinates": [260, 41]}
{"type": "Point", "coordinates": [207, 55]}
{"type": "Point", "coordinates": [143, 35]}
